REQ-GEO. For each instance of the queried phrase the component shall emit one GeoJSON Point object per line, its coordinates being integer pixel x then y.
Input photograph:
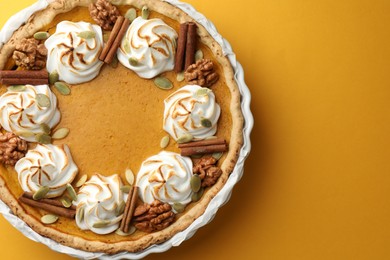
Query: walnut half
{"type": "Point", "coordinates": [207, 171]}
{"type": "Point", "coordinates": [30, 54]}
{"type": "Point", "coordinates": [201, 73]}
{"type": "Point", "coordinates": [12, 148]}
{"type": "Point", "coordinates": [104, 14]}
{"type": "Point", "coordinates": [153, 217]}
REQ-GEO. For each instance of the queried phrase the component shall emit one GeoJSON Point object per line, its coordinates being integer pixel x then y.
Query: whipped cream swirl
{"type": "Point", "coordinates": [46, 165]}
{"type": "Point", "coordinates": [22, 115]}
{"type": "Point", "coordinates": [191, 110]}
{"type": "Point", "coordinates": [165, 177]}
{"type": "Point", "coordinates": [73, 55]}
{"type": "Point", "coordinates": [151, 44]}
{"type": "Point", "coordinates": [99, 204]}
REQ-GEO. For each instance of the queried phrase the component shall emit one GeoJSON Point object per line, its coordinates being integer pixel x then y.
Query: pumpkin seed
{"type": "Point", "coordinates": [126, 188]}
{"type": "Point", "coordinates": [114, 62]}
{"type": "Point", "coordinates": [60, 133]}
{"type": "Point", "coordinates": [43, 100]}
{"type": "Point", "coordinates": [178, 207]}
{"type": "Point", "coordinates": [129, 176]}
{"type": "Point", "coordinates": [195, 183]}
{"type": "Point", "coordinates": [217, 156]}
{"type": "Point", "coordinates": [43, 138]}
{"type": "Point", "coordinates": [53, 77]}
{"type": "Point", "coordinates": [197, 195]}
{"type": "Point", "coordinates": [164, 142]}
{"type": "Point", "coordinates": [41, 36]}
{"type": "Point", "coordinates": [71, 191]}
{"type": "Point", "coordinates": [145, 12]}
{"type": "Point", "coordinates": [49, 219]}
{"type": "Point", "coordinates": [180, 76]}
{"type": "Point", "coordinates": [163, 83]}
{"type": "Point", "coordinates": [202, 92]}
{"type": "Point", "coordinates": [45, 128]}
{"type": "Point", "coordinates": [206, 122]}
{"type": "Point", "coordinates": [131, 14]}
{"type": "Point", "coordinates": [101, 224]}
{"type": "Point", "coordinates": [106, 36]}
{"type": "Point", "coordinates": [196, 156]}
{"type": "Point", "coordinates": [41, 193]}
{"type": "Point", "coordinates": [184, 139]}
{"type": "Point", "coordinates": [133, 61]}
{"type": "Point", "coordinates": [17, 88]}
{"type": "Point", "coordinates": [63, 88]}
{"type": "Point", "coordinates": [81, 181]}
{"type": "Point", "coordinates": [66, 202]}
{"type": "Point", "coordinates": [127, 48]}
{"type": "Point", "coordinates": [86, 35]}
{"type": "Point", "coordinates": [210, 137]}
{"type": "Point", "coordinates": [80, 214]}
{"type": "Point", "coordinates": [25, 134]}
{"type": "Point", "coordinates": [198, 55]}
{"type": "Point", "coordinates": [123, 234]}
{"type": "Point", "coordinates": [120, 209]}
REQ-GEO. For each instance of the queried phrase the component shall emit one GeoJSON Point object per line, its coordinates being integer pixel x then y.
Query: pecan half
{"type": "Point", "coordinates": [201, 73]}
{"type": "Point", "coordinates": [207, 171]}
{"type": "Point", "coordinates": [30, 54]}
{"type": "Point", "coordinates": [153, 217]}
{"type": "Point", "coordinates": [12, 148]}
{"type": "Point", "coordinates": [104, 14]}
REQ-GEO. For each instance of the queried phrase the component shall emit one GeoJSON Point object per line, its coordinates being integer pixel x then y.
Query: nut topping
{"type": "Point", "coordinates": [104, 14]}
{"type": "Point", "coordinates": [201, 73]}
{"type": "Point", "coordinates": [30, 54]}
{"type": "Point", "coordinates": [12, 148]}
{"type": "Point", "coordinates": [207, 171]}
{"type": "Point", "coordinates": [153, 217]}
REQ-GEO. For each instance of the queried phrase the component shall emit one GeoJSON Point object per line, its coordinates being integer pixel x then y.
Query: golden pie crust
{"type": "Point", "coordinates": [230, 127]}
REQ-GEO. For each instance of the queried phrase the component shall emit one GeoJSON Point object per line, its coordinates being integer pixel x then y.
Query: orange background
{"type": "Point", "coordinates": [317, 183]}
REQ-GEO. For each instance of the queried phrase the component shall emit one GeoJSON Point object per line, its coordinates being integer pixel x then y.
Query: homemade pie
{"type": "Point", "coordinates": [120, 121]}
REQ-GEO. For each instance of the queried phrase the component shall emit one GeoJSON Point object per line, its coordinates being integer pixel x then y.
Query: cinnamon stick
{"type": "Point", "coordinates": [190, 46]}
{"type": "Point", "coordinates": [203, 142]}
{"type": "Point", "coordinates": [188, 151]}
{"type": "Point", "coordinates": [111, 39]}
{"type": "Point", "coordinates": [181, 47]}
{"type": "Point", "coordinates": [32, 74]}
{"type": "Point", "coordinates": [114, 47]}
{"type": "Point", "coordinates": [23, 81]}
{"type": "Point", "coordinates": [128, 202]}
{"type": "Point", "coordinates": [130, 213]}
{"type": "Point", "coordinates": [64, 212]}
{"type": "Point", "coordinates": [53, 202]}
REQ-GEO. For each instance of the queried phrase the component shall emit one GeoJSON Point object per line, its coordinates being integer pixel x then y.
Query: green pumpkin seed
{"type": "Point", "coordinates": [195, 183]}
{"type": "Point", "coordinates": [17, 88]}
{"type": "Point", "coordinates": [81, 181]}
{"type": "Point", "coordinates": [126, 188]}
{"type": "Point", "coordinates": [164, 142]}
{"type": "Point", "coordinates": [202, 92]}
{"type": "Point", "coordinates": [86, 35]}
{"type": "Point", "coordinates": [106, 36]}
{"type": "Point", "coordinates": [80, 214]}
{"type": "Point", "coordinates": [43, 138]}
{"type": "Point", "coordinates": [41, 193]}
{"type": "Point", "coordinates": [131, 14]}
{"type": "Point", "coordinates": [127, 48]}
{"type": "Point", "coordinates": [49, 219]}
{"type": "Point", "coordinates": [206, 123]}
{"type": "Point", "coordinates": [198, 55]}
{"type": "Point", "coordinates": [71, 191]}
{"type": "Point", "coordinates": [184, 139]}
{"type": "Point", "coordinates": [163, 83]}
{"type": "Point", "coordinates": [43, 100]}
{"type": "Point", "coordinates": [63, 88]}
{"type": "Point", "coordinates": [53, 77]}
{"type": "Point", "coordinates": [133, 61]}
{"type": "Point", "coordinates": [114, 62]}
{"type": "Point", "coordinates": [196, 156]}
{"type": "Point", "coordinates": [120, 209]}
{"type": "Point", "coordinates": [180, 76]}
{"type": "Point", "coordinates": [217, 156]}
{"type": "Point", "coordinates": [145, 12]}
{"type": "Point", "coordinates": [178, 207]}
{"type": "Point", "coordinates": [60, 133]}
{"type": "Point", "coordinates": [66, 202]}
{"type": "Point", "coordinates": [197, 195]}
{"type": "Point", "coordinates": [129, 176]}
{"type": "Point", "coordinates": [45, 128]}
{"type": "Point", "coordinates": [123, 234]}
{"type": "Point", "coordinates": [25, 134]}
{"type": "Point", "coordinates": [41, 36]}
{"type": "Point", "coordinates": [101, 224]}
{"type": "Point", "coordinates": [210, 137]}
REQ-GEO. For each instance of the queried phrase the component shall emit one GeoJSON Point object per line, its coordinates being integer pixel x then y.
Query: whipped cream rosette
{"type": "Point", "coordinates": [165, 177]}
{"type": "Point", "coordinates": [100, 203]}
{"type": "Point", "coordinates": [73, 51]}
{"type": "Point", "coordinates": [21, 113]}
{"type": "Point", "coordinates": [191, 110]}
{"type": "Point", "coordinates": [148, 47]}
{"type": "Point", "coordinates": [46, 165]}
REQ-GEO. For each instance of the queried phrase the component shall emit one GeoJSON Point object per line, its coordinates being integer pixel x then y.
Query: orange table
{"type": "Point", "coordinates": [317, 183]}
